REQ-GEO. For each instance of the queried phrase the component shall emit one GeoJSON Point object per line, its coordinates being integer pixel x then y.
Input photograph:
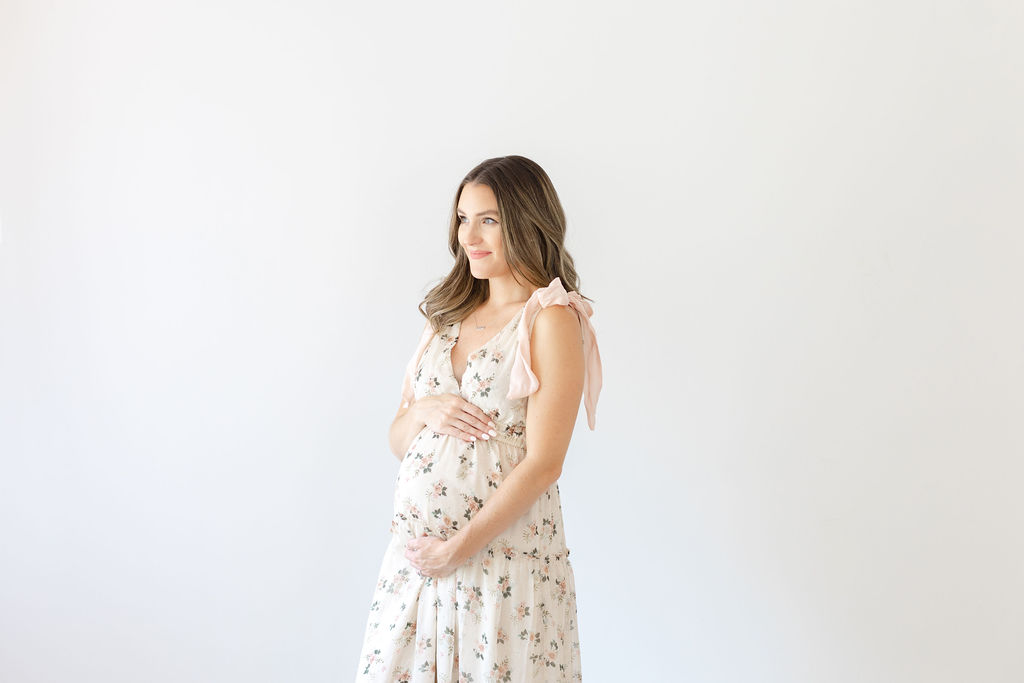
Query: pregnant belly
{"type": "Point", "coordinates": [442, 482]}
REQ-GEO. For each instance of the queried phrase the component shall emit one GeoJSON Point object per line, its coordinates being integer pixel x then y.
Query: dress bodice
{"type": "Point", "coordinates": [498, 376]}
{"type": "Point", "coordinates": [485, 381]}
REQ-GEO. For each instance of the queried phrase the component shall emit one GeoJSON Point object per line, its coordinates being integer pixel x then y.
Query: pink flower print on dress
{"type": "Point", "coordinates": [501, 672]}
{"type": "Point", "coordinates": [505, 586]}
{"type": "Point", "coordinates": [448, 639]}
{"type": "Point", "coordinates": [399, 580]}
{"type": "Point", "coordinates": [407, 634]}
{"type": "Point", "coordinates": [515, 429]}
{"type": "Point", "coordinates": [437, 490]}
{"type": "Point", "coordinates": [448, 525]}
{"type": "Point", "coordinates": [473, 505]}
{"type": "Point", "coordinates": [374, 662]}
{"type": "Point", "coordinates": [562, 589]}
{"type": "Point", "coordinates": [481, 647]}
{"type": "Point", "coordinates": [472, 600]}
{"type": "Point", "coordinates": [532, 638]}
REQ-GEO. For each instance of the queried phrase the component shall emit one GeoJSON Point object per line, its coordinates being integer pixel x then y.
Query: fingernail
{"type": "Point", "coordinates": [472, 438]}
{"type": "Point", "coordinates": [493, 433]}
{"type": "Point", "coordinates": [490, 423]}
{"type": "Point", "coordinates": [485, 436]}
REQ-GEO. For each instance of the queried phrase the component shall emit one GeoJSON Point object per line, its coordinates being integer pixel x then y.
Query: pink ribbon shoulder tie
{"type": "Point", "coordinates": [523, 382]}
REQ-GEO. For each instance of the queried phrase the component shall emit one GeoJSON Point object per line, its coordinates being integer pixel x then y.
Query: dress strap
{"type": "Point", "coordinates": [523, 381]}
{"type": "Point", "coordinates": [410, 370]}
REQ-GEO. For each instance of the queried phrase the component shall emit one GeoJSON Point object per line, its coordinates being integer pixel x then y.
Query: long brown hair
{"type": "Point", "coordinates": [532, 235]}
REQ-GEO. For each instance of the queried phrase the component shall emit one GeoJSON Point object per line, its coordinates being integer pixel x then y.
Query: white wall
{"type": "Point", "coordinates": [801, 223]}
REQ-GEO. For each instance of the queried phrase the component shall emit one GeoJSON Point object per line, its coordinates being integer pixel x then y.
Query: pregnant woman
{"type": "Point", "coordinates": [476, 583]}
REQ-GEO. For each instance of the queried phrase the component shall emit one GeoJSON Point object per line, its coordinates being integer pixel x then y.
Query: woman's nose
{"type": "Point", "coordinates": [472, 234]}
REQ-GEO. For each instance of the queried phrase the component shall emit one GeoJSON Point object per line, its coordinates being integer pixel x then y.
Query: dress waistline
{"type": "Point", "coordinates": [511, 440]}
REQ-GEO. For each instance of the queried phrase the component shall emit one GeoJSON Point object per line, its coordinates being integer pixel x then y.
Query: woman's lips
{"type": "Point", "coordinates": [478, 254]}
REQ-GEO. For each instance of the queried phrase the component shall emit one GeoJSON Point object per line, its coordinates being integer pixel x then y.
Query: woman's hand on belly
{"type": "Point", "coordinates": [433, 556]}
{"type": "Point", "coordinates": [455, 416]}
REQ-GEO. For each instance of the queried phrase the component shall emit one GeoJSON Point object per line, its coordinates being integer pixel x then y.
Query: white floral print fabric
{"type": "Point", "coordinates": [509, 613]}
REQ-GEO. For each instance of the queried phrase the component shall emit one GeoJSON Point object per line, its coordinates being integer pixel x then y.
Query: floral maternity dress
{"type": "Point", "coordinates": [509, 613]}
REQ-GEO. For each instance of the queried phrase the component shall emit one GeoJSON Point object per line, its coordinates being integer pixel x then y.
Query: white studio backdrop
{"type": "Point", "coordinates": [801, 225]}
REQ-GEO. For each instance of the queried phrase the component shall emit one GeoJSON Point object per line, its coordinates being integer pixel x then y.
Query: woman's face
{"type": "Point", "coordinates": [480, 232]}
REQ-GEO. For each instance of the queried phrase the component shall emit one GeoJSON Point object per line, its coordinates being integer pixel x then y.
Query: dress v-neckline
{"type": "Point", "coordinates": [457, 332]}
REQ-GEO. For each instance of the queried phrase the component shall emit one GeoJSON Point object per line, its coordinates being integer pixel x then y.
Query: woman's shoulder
{"type": "Point", "coordinates": [556, 323]}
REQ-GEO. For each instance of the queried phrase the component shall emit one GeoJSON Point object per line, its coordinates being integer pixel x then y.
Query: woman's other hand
{"type": "Point", "coordinates": [455, 416]}
{"type": "Point", "coordinates": [433, 556]}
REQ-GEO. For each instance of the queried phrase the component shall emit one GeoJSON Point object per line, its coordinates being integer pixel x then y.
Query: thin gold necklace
{"type": "Point", "coordinates": [475, 319]}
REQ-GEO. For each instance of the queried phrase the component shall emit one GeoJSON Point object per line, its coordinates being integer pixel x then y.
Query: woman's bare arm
{"type": "Point", "coordinates": [556, 349]}
{"type": "Point", "coordinates": [404, 429]}
{"type": "Point", "coordinates": [407, 422]}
